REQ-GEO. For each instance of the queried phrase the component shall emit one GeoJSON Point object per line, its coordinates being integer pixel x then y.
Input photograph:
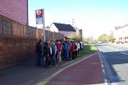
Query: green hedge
{"type": "Point", "coordinates": [87, 50]}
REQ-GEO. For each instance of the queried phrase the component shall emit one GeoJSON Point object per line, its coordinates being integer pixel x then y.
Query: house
{"type": "Point", "coordinates": [121, 34]}
{"type": "Point", "coordinates": [79, 33]}
{"type": "Point", "coordinates": [66, 29]}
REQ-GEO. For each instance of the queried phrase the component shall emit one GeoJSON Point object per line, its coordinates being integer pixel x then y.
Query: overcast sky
{"type": "Point", "coordinates": [95, 17]}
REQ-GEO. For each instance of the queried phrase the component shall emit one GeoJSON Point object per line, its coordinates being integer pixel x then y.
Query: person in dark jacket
{"type": "Point", "coordinates": [38, 52]}
{"type": "Point", "coordinates": [66, 48]}
{"type": "Point", "coordinates": [45, 53]}
{"type": "Point", "coordinates": [54, 47]}
{"type": "Point", "coordinates": [50, 54]}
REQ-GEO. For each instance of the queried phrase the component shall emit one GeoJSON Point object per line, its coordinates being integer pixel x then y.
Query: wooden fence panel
{"type": "Point", "coordinates": [32, 32]}
{"type": "Point", "coordinates": [7, 27]}
{"type": "Point", "coordinates": [1, 32]}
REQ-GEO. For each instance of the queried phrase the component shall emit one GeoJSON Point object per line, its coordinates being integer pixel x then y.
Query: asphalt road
{"type": "Point", "coordinates": [115, 60]}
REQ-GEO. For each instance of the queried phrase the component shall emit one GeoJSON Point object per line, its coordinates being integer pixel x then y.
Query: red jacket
{"type": "Point", "coordinates": [72, 49]}
{"type": "Point", "coordinates": [58, 47]}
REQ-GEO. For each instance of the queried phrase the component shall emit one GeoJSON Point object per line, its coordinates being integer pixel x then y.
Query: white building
{"type": "Point", "coordinates": [65, 29]}
{"type": "Point", "coordinates": [121, 34]}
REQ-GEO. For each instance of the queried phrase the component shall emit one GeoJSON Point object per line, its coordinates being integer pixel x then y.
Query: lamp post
{"type": "Point", "coordinates": [48, 31]}
{"type": "Point", "coordinates": [53, 35]}
{"type": "Point", "coordinates": [53, 30]}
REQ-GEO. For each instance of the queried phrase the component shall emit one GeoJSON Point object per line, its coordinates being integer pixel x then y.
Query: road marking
{"type": "Point", "coordinates": [122, 52]}
{"type": "Point", "coordinates": [106, 72]}
{"type": "Point", "coordinates": [103, 69]}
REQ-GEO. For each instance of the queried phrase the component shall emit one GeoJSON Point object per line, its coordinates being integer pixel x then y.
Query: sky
{"type": "Point", "coordinates": [94, 17]}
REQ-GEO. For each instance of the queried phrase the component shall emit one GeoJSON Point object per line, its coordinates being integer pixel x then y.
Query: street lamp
{"type": "Point", "coordinates": [53, 35]}
{"type": "Point", "coordinates": [48, 31]}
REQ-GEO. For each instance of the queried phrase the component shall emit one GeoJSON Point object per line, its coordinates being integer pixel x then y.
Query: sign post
{"type": "Point", "coordinates": [40, 19]}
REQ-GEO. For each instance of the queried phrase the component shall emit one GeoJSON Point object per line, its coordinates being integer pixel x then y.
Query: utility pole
{"type": "Point", "coordinates": [73, 22]}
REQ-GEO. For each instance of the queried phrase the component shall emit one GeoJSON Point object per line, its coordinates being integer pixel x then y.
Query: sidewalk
{"type": "Point", "coordinates": [29, 74]}
{"type": "Point", "coordinates": [125, 44]}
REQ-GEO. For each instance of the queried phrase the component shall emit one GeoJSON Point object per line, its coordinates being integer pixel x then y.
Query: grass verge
{"type": "Point", "coordinates": [87, 50]}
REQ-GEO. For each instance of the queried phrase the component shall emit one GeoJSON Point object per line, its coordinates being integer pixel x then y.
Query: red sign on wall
{"type": "Point", "coordinates": [39, 16]}
{"type": "Point", "coordinates": [39, 12]}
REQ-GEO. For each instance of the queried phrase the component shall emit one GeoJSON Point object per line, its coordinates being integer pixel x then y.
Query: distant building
{"type": "Point", "coordinates": [14, 17]}
{"type": "Point", "coordinates": [121, 34]}
{"type": "Point", "coordinates": [16, 10]}
{"type": "Point", "coordinates": [66, 29]}
{"type": "Point", "coordinates": [79, 33]}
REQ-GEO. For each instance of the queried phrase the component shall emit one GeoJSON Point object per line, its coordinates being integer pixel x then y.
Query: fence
{"type": "Point", "coordinates": [9, 27]}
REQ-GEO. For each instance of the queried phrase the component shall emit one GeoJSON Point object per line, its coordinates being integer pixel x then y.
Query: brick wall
{"type": "Point", "coordinates": [16, 10]}
{"type": "Point", "coordinates": [53, 35]}
{"type": "Point", "coordinates": [15, 50]}
{"type": "Point", "coordinates": [17, 39]}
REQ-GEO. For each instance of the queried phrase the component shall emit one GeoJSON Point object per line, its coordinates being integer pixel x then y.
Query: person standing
{"type": "Point", "coordinates": [59, 49]}
{"type": "Point", "coordinates": [66, 48]}
{"type": "Point", "coordinates": [38, 52]}
{"type": "Point", "coordinates": [72, 49]}
{"type": "Point", "coordinates": [54, 52]}
{"type": "Point", "coordinates": [50, 55]}
{"type": "Point", "coordinates": [45, 53]}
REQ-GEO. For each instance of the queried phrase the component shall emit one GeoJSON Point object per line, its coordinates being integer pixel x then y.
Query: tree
{"type": "Point", "coordinates": [103, 38]}
{"type": "Point", "coordinates": [106, 38]}
{"type": "Point", "coordinates": [90, 40]}
{"type": "Point", "coordinates": [76, 38]}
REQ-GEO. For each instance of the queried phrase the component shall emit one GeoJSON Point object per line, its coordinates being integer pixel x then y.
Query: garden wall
{"type": "Point", "coordinates": [17, 41]}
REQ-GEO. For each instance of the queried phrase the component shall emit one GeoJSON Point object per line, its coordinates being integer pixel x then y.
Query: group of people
{"type": "Point", "coordinates": [51, 53]}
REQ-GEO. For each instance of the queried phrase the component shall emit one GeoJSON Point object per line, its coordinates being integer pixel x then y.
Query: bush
{"type": "Point", "coordinates": [87, 49]}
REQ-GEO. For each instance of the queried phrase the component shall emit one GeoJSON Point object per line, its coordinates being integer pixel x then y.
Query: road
{"type": "Point", "coordinates": [115, 61]}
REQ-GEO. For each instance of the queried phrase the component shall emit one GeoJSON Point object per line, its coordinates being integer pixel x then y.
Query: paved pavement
{"type": "Point", "coordinates": [25, 74]}
{"type": "Point", "coordinates": [87, 71]}
{"type": "Point", "coordinates": [125, 44]}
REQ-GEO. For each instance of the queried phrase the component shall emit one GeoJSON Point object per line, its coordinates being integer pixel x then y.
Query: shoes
{"type": "Point", "coordinates": [56, 65]}
{"type": "Point", "coordinates": [38, 65]}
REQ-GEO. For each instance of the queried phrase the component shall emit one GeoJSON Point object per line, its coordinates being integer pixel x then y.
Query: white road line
{"type": "Point", "coordinates": [103, 69]}
{"type": "Point", "coordinates": [122, 52]}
